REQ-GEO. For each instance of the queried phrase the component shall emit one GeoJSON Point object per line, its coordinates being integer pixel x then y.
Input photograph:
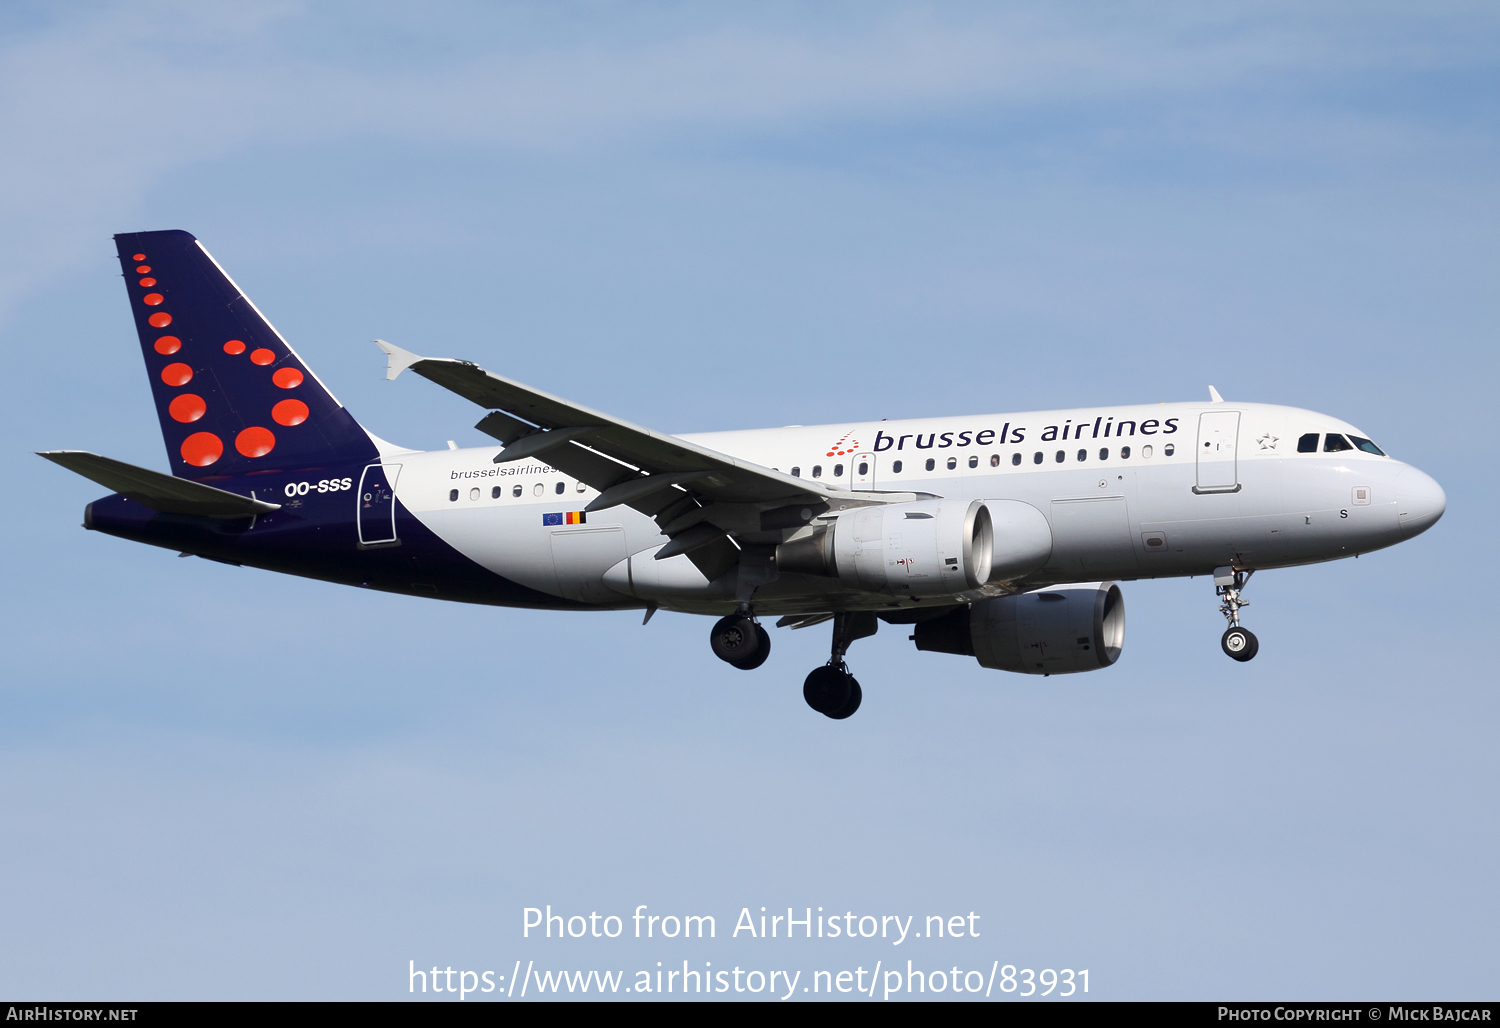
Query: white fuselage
{"type": "Point", "coordinates": [1129, 492]}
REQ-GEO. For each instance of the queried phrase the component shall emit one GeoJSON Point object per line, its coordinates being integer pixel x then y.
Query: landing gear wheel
{"type": "Point", "coordinates": [737, 640]}
{"type": "Point", "coordinates": [759, 657]}
{"type": "Point", "coordinates": [1240, 643]}
{"type": "Point", "coordinates": [829, 689]}
{"type": "Point", "coordinates": [856, 695]}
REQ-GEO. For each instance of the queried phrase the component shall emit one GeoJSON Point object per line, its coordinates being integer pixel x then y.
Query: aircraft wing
{"type": "Point", "coordinates": [698, 496]}
{"type": "Point", "coordinates": [165, 493]}
{"type": "Point", "coordinates": [637, 463]}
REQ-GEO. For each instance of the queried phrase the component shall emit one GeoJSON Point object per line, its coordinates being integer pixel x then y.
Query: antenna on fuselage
{"type": "Point", "coordinates": [1213, 394]}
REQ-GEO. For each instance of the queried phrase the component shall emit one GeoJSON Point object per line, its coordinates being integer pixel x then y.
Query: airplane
{"type": "Point", "coordinates": [1000, 537]}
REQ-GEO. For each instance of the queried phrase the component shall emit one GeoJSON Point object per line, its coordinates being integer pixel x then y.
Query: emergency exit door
{"type": "Point", "coordinates": [862, 471]}
{"type": "Point", "coordinates": [1218, 436]}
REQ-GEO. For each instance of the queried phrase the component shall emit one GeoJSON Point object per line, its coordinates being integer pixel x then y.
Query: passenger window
{"type": "Point", "coordinates": [817, 471]}
{"type": "Point", "coordinates": [838, 471]}
{"type": "Point", "coordinates": [495, 493]}
{"type": "Point", "coordinates": [452, 495]}
{"type": "Point", "coordinates": [952, 463]}
{"type": "Point", "coordinates": [1146, 451]}
{"type": "Point", "coordinates": [515, 491]}
{"type": "Point", "coordinates": [1104, 453]}
{"type": "Point", "coordinates": [931, 463]}
{"type": "Point", "coordinates": [1169, 449]}
{"type": "Point", "coordinates": [864, 468]}
{"type": "Point", "coordinates": [1015, 459]}
{"type": "Point", "coordinates": [473, 494]}
{"type": "Point", "coordinates": [1062, 455]}
{"type": "Point", "coordinates": [1335, 443]}
{"type": "Point", "coordinates": [896, 468]}
{"type": "Point", "coordinates": [1124, 453]}
{"type": "Point", "coordinates": [560, 487]}
{"type": "Point", "coordinates": [1361, 443]}
{"type": "Point", "coordinates": [974, 462]}
{"type": "Point", "coordinates": [1037, 458]}
{"type": "Point", "coordinates": [1308, 443]}
{"type": "Point", "coordinates": [1083, 455]}
{"type": "Point", "coordinates": [538, 489]}
{"type": "Point", "coordinates": [797, 472]}
{"type": "Point", "coordinates": [580, 487]}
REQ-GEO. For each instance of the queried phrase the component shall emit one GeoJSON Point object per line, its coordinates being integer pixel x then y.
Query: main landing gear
{"type": "Point", "coordinates": [831, 690]}
{"type": "Point", "coordinates": [738, 640]}
{"type": "Point", "coordinates": [1239, 643]}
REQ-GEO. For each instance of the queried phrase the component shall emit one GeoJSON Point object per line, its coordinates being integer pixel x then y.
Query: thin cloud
{"type": "Point", "coordinates": [99, 107]}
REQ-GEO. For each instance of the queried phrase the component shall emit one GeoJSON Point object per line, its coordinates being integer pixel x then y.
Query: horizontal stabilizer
{"type": "Point", "coordinates": [164, 493]}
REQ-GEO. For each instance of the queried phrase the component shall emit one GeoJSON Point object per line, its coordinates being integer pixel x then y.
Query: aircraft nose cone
{"type": "Point", "coordinates": [1420, 501]}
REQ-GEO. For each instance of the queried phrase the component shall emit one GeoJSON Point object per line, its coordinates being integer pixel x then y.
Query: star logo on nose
{"type": "Point", "coordinates": [1267, 441]}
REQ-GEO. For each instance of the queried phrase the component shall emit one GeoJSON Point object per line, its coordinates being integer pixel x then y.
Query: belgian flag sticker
{"type": "Point", "coordinates": [572, 517]}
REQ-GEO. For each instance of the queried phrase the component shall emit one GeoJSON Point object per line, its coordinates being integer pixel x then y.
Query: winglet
{"type": "Point", "coordinates": [1213, 394]}
{"type": "Point", "coordinates": [397, 359]}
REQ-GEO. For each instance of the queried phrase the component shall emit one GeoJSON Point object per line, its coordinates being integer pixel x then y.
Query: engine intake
{"type": "Point", "coordinates": [1057, 631]}
{"type": "Point", "coordinates": [935, 547]}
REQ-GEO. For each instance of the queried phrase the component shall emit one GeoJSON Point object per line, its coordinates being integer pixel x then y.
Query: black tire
{"type": "Point", "coordinates": [856, 695]}
{"type": "Point", "coordinates": [735, 639]}
{"type": "Point", "coordinates": [1240, 644]}
{"type": "Point", "coordinates": [761, 654]}
{"type": "Point", "coordinates": [827, 689]}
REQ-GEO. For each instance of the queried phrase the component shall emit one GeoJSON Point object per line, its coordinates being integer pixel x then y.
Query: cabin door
{"type": "Point", "coordinates": [376, 510]}
{"type": "Point", "coordinates": [1218, 435]}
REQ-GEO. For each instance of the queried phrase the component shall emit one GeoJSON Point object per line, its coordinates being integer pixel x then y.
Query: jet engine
{"type": "Point", "coordinates": [936, 547]}
{"type": "Point", "coordinates": [1055, 631]}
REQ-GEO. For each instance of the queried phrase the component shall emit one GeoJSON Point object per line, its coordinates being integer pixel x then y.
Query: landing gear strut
{"type": "Point", "coordinates": [1238, 643]}
{"type": "Point", "coordinates": [831, 690]}
{"type": "Point", "coordinates": [740, 642]}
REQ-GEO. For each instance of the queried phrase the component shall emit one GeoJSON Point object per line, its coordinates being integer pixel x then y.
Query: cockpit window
{"type": "Point", "coordinates": [1361, 443]}
{"type": "Point", "coordinates": [1334, 443]}
{"type": "Point", "coordinates": [1308, 443]}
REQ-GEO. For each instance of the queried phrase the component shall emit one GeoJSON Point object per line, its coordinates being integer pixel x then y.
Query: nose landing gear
{"type": "Point", "coordinates": [831, 690]}
{"type": "Point", "coordinates": [1238, 643]}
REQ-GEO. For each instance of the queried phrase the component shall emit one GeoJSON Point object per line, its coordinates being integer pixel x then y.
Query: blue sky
{"type": "Point", "coordinates": [218, 782]}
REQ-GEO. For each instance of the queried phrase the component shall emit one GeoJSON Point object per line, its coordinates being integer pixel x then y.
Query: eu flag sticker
{"type": "Point", "coordinates": [572, 517]}
{"type": "Point", "coordinates": [552, 519]}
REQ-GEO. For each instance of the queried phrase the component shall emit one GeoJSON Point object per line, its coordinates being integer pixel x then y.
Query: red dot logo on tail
{"type": "Point", "coordinates": [187, 408]}
{"type": "Point", "coordinates": [234, 347]}
{"type": "Point", "coordinates": [255, 441]}
{"type": "Point", "coordinates": [287, 378]}
{"type": "Point", "coordinates": [161, 319]}
{"type": "Point", "coordinates": [153, 299]}
{"type": "Point", "coordinates": [201, 449]}
{"type": "Point", "coordinates": [176, 374]}
{"type": "Point", "coordinates": [168, 344]}
{"type": "Point", "coordinates": [139, 257]}
{"type": "Point", "coordinates": [289, 413]}
{"type": "Point", "coordinates": [144, 269]}
{"type": "Point", "coordinates": [148, 282]}
{"type": "Point", "coordinates": [262, 356]}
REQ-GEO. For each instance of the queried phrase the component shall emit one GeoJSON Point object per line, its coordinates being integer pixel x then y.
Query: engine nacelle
{"type": "Point", "coordinates": [1056, 631]}
{"type": "Point", "coordinates": [937, 547]}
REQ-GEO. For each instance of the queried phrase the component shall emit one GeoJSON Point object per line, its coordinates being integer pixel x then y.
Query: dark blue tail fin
{"type": "Point", "coordinates": [232, 396]}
